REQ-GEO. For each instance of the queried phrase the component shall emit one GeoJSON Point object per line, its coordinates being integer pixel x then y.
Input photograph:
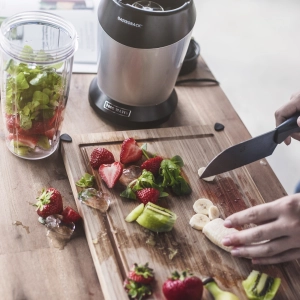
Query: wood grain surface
{"type": "Point", "coordinates": [30, 268]}
{"type": "Point", "coordinates": [120, 244]}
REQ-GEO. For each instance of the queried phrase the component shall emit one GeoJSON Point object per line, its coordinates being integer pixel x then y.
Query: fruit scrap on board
{"type": "Point", "coordinates": [260, 286]}
{"type": "Point", "coordinates": [218, 294]}
{"type": "Point", "coordinates": [183, 286]}
{"type": "Point", "coordinates": [49, 203]}
{"type": "Point", "coordinates": [138, 282]}
{"type": "Point", "coordinates": [101, 156]}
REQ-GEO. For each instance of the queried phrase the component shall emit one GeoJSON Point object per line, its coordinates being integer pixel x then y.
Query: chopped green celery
{"type": "Point", "coordinates": [33, 92]}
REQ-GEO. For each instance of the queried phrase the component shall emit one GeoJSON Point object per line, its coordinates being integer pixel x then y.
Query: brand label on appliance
{"type": "Point", "coordinates": [129, 22]}
{"type": "Point", "coordinates": [117, 110]}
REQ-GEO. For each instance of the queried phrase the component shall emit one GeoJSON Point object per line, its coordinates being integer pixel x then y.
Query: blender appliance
{"type": "Point", "coordinates": [142, 45]}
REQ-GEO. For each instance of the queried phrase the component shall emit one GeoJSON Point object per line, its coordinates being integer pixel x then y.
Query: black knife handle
{"type": "Point", "coordinates": [287, 128]}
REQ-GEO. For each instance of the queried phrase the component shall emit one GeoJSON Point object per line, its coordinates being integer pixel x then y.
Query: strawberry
{"type": "Point", "coordinates": [141, 274]}
{"type": "Point", "coordinates": [101, 156]}
{"type": "Point", "coordinates": [110, 173]}
{"type": "Point", "coordinates": [152, 164]}
{"type": "Point", "coordinates": [137, 291]}
{"type": "Point", "coordinates": [147, 195]}
{"type": "Point", "coordinates": [130, 151]}
{"type": "Point", "coordinates": [49, 203]}
{"type": "Point", "coordinates": [23, 140]}
{"type": "Point", "coordinates": [182, 286]}
{"type": "Point", "coordinates": [70, 215]}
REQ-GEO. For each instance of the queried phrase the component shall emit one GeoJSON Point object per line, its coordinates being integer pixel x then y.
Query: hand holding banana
{"type": "Point", "coordinates": [278, 223]}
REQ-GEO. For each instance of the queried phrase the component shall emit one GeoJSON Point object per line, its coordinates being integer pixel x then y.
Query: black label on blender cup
{"type": "Point", "coordinates": [117, 110]}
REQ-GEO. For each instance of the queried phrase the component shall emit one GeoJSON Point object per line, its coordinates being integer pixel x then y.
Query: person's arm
{"type": "Point", "coordinates": [276, 238]}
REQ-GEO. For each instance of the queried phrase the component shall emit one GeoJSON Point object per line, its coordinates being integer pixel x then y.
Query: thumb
{"type": "Point", "coordinates": [298, 121]}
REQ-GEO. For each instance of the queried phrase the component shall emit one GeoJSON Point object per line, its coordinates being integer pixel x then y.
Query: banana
{"type": "Point", "coordinates": [198, 221]}
{"type": "Point", "coordinates": [200, 172]}
{"type": "Point", "coordinates": [215, 231]}
{"type": "Point", "coordinates": [202, 205]}
{"type": "Point", "coordinates": [213, 212]}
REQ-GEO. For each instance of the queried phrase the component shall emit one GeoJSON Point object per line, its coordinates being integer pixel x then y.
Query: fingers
{"type": "Point", "coordinates": [257, 214]}
{"type": "Point", "coordinates": [288, 109]}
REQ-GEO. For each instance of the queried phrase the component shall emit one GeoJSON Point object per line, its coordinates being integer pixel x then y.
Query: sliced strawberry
{"type": "Point", "coordinates": [23, 140]}
{"type": "Point", "coordinates": [147, 195]}
{"type": "Point", "coordinates": [70, 215]}
{"type": "Point", "coordinates": [130, 151]}
{"type": "Point", "coordinates": [101, 156]}
{"type": "Point", "coordinates": [110, 173]}
{"type": "Point", "coordinates": [12, 122]}
{"type": "Point", "coordinates": [152, 164]}
{"type": "Point", "coordinates": [50, 133]}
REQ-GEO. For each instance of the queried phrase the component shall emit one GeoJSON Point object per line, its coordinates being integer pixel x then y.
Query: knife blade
{"type": "Point", "coordinates": [251, 150]}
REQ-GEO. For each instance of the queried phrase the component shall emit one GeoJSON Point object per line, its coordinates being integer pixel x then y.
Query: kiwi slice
{"type": "Point", "coordinates": [135, 213]}
{"type": "Point", "coordinates": [260, 286]}
{"type": "Point", "coordinates": [22, 151]}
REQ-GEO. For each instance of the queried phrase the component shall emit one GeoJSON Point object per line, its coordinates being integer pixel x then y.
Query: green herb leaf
{"type": "Point", "coordinates": [177, 160]}
{"type": "Point", "coordinates": [86, 181]}
{"type": "Point", "coordinates": [128, 193]}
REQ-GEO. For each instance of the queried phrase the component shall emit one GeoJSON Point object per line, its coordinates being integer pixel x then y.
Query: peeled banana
{"type": "Point", "coordinates": [215, 231]}
{"type": "Point", "coordinates": [198, 221]}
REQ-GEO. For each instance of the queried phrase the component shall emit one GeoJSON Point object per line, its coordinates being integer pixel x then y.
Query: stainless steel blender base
{"type": "Point", "coordinates": [132, 116]}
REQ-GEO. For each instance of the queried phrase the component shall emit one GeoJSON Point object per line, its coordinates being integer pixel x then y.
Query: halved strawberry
{"type": "Point", "coordinates": [110, 173]}
{"type": "Point", "coordinates": [23, 140]}
{"type": "Point", "coordinates": [70, 215]}
{"type": "Point", "coordinates": [130, 151]}
{"type": "Point", "coordinates": [152, 164]}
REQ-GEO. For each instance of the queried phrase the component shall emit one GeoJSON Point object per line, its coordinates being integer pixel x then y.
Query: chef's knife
{"type": "Point", "coordinates": [251, 150]}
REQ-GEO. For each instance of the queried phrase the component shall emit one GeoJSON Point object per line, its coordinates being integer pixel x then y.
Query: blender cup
{"type": "Point", "coordinates": [36, 58]}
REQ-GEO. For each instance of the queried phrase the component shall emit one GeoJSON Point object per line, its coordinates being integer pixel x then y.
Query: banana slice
{"type": "Point", "coordinates": [213, 212]}
{"type": "Point", "coordinates": [215, 231]}
{"type": "Point", "coordinates": [200, 172]}
{"type": "Point", "coordinates": [198, 221]}
{"type": "Point", "coordinates": [202, 205]}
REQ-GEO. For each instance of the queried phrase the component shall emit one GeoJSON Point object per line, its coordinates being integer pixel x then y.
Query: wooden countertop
{"type": "Point", "coordinates": [31, 268]}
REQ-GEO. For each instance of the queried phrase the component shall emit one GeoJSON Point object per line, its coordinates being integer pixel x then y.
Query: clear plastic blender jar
{"type": "Point", "coordinates": [36, 58]}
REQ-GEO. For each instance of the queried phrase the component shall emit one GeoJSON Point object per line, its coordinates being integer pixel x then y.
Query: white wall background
{"type": "Point", "coordinates": [253, 49]}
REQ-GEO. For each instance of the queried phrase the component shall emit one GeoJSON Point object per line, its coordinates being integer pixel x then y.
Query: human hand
{"type": "Point", "coordinates": [278, 224]}
{"type": "Point", "coordinates": [286, 111]}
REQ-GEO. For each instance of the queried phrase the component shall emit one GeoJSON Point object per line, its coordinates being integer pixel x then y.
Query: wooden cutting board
{"type": "Point", "coordinates": [115, 244]}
